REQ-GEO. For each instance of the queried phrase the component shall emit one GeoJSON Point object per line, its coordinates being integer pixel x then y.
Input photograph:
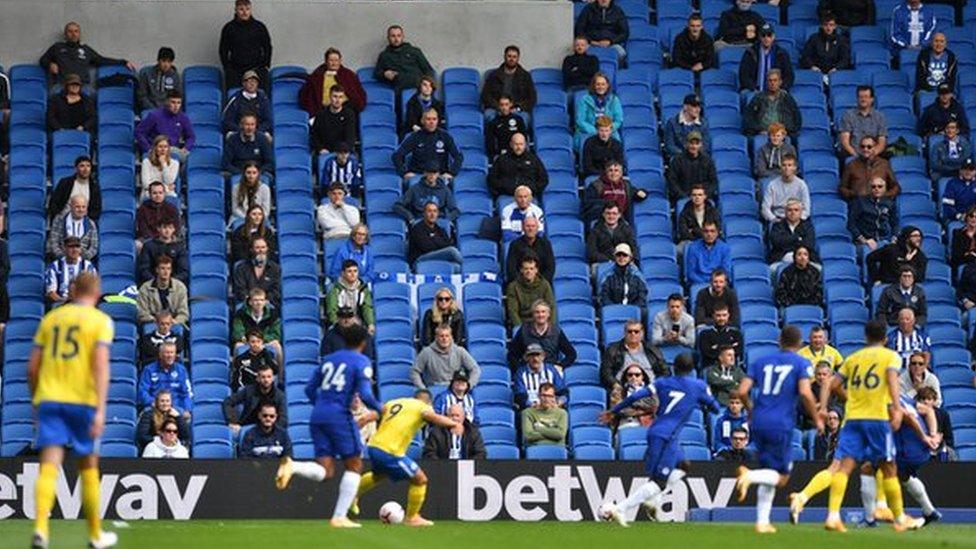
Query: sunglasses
{"type": "Point", "coordinates": [442, 298]}
{"type": "Point", "coordinates": [632, 331]}
{"type": "Point", "coordinates": [867, 146]}
{"type": "Point", "coordinates": [917, 363]}
{"type": "Point", "coordinates": [634, 374]}
{"type": "Point", "coordinates": [172, 431]}
{"type": "Point", "coordinates": [877, 186]}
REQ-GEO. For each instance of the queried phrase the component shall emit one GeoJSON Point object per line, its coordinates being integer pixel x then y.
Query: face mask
{"type": "Point", "coordinates": [744, 6]}
{"type": "Point", "coordinates": [260, 260]}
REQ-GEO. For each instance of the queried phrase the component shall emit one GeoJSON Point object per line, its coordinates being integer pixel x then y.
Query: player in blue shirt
{"type": "Point", "coordinates": [913, 445]}
{"type": "Point", "coordinates": [678, 397]}
{"type": "Point", "coordinates": [779, 379]}
{"type": "Point", "coordinates": [335, 433]}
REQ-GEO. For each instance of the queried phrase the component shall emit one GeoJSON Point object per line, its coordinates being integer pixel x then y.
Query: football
{"type": "Point", "coordinates": [606, 511]}
{"type": "Point", "coordinates": [391, 513]}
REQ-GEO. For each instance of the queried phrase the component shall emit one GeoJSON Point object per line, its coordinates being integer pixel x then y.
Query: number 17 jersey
{"type": "Point", "coordinates": [866, 373]}
{"type": "Point", "coordinates": [776, 380]}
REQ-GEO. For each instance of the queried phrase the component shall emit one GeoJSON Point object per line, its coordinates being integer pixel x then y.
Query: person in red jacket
{"type": "Point", "coordinates": [315, 93]}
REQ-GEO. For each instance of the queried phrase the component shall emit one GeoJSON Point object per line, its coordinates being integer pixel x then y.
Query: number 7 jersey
{"type": "Point", "coordinates": [867, 383]}
{"type": "Point", "coordinates": [68, 337]}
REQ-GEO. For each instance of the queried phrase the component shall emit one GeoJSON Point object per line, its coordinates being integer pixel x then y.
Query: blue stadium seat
{"type": "Point", "coordinates": [545, 452]}
{"type": "Point", "coordinates": [502, 451]}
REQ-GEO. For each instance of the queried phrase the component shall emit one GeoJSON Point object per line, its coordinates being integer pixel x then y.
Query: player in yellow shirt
{"type": "Point", "coordinates": [69, 376]}
{"type": "Point", "coordinates": [399, 423]}
{"type": "Point", "coordinates": [819, 350]}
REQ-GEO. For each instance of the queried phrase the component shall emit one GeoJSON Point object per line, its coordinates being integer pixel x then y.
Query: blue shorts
{"type": "Point", "coordinates": [394, 467]}
{"type": "Point", "coordinates": [336, 439]}
{"type": "Point", "coordinates": [67, 425]}
{"type": "Point", "coordinates": [775, 448]}
{"type": "Point", "coordinates": [662, 456]}
{"type": "Point", "coordinates": [866, 440]}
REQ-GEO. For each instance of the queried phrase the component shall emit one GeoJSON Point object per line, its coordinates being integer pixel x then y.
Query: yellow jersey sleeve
{"type": "Point", "coordinates": [401, 420]}
{"type": "Point", "coordinates": [41, 336]}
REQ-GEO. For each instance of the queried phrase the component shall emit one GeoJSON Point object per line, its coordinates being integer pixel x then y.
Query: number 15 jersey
{"type": "Point", "coordinates": [867, 383]}
{"type": "Point", "coordinates": [776, 379]}
{"type": "Point", "coordinates": [68, 337]}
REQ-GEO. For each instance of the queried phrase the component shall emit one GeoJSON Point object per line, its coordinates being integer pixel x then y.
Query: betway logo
{"type": "Point", "coordinates": [135, 496]}
{"type": "Point", "coordinates": [530, 498]}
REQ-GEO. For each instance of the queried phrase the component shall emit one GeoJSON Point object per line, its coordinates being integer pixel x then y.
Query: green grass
{"type": "Point", "coordinates": [506, 535]}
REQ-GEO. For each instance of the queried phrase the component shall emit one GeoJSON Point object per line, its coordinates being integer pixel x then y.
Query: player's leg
{"type": "Point", "coordinates": [662, 463]}
{"type": "Point", "coordinates": [869, 493]}
{"type": "Point", "coordinates": [317, 471]}
{"type": "Point", "coordinates": [818, 483]}
{"type": "Point", "coordinates": [91, 498]}
{"type": "Point", "coordinates": [348, 486]}
{"type": "Point", "coordinates": [416, 494]}
{"type": "Point", "coordinates": [881, 510]}
{"type": "Point", "coordinates": [775, 460]}
{"type": "Point", "coordinates": [44, 493]}
{"type": "Point", "coordinates": [908, 475]}
{"type": "Point", "coordinates": [838, 487]}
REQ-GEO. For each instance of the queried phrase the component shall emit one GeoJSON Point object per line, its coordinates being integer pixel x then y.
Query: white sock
{"type": "Point", "coordinates": [675, 477]}
{"type": "Point", "coordinates": [766, 477]}
{"type": "Point", "coordinates": [646, 492]}
{"type": "Point", "coordinates": [833, 515]}
{"type": "Point", "coordinates": [916, 488]}
{"type": "Point", "coordinates": [347, 492]}
{"type": "Point", "coordinates": [309, 469]}
{"type": "Point", "coordinates": [869, 496]}
{"type": "Point", "coordinates": [764, 503]}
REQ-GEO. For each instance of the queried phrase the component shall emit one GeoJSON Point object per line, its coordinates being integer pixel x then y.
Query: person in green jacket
{"type": "Point", "coordinates": [546, 422]}
{"type": "Point", "coordinates": [257, 315]}
{"type": "Point", "coordinates": [524, 291]}
{"type": "Point", "coordinates": [401, 64]}
{"type": "Point", "coordinates": [350, 291]}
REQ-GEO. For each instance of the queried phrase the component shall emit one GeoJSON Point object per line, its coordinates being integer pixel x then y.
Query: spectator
{"type": "Point", "coordinates": [249, 191]}
{"type": "Point", "coordinates": [717, 294]}
{"type": "Point", "coordinates": [63, 270]}
{"type": "Point", "coordinates": [689, 119]}
{"type": "Point", "coordinates": [255, 225]}
{"type": "Point", "coordinates": [357, 249]}
{"type": "Point", "coordinates": [171, 122]}
{"type": "Point", "coordinates": [604, 24]}
{"type": "Point", "coordinates": [886, 262]}
{"type": "Point", "coordinates": [733, 417]}
{"type": "Point", "coordinates": [500, 130]}
{"type": "Point", "coordinates": [335, 218]}
{"type": "Point", "coordinates": [164, 293]}
{"type": "Point", "coordinates": [850, 13]}
{"type": "Point", "coordinates": [166, 373]}
{"type": "Point", "coordinates": [624, 284]}
{"type": "Point", "coordinates": [83, 182]}
{"type": "Point", "coordinates": [824, 445]}
{"type": "Point", "coordinates": [827, 50]}
{"type": "Point", "coordinates": [545, 423]}
{"type": "Point", "coordinates": [70, 109]}
{"type": "Point", "coordinates": [523, 292]}
{"type": "Point", "coordinates": [248, 100]}
{"type": "Point", "coordinates": [313, 95]}
{"type": "Point", "coordinates": [867, 166]}
{"type": "Point", "coordinates": [401, 63]}
{"type": "Point", "coordinates": [518, 167]}
{"type": "Point", "coordinates": [768, 162]}
{"type": "Point", "coordinates": [74, 223]}
{"type": "Point", "coordinates": [245, 45]}
{"type": "Point", "coordinates": [72, 57]}
{"type": "Point", "coordinates": [343, 166]}
{"type": "Point", "coordinates": [151, 419]}
{"type": "Point", "coordinates": [427, 240]}
{"type": "Point", "coordinates": [166, 244]}
{"type": "Point", "coordinates": [516, 211]}
{"type": "Point", "coordinates": [788, 233]}
{"type": "Point", "coordinates": [427, 145]}
{"type": "Point", "coordinates": [511, 79]}
{"type": "Point", "coordinates": [612, 186]}
{"type": "Point", "coordinates": [917, 375]}
{"type": "Point", "coordinates": [162, 332]}
{"type": "Point", "coordinates": [430, 189]}
{"type": "Point", "coordinates": [437, 362]}
{"type": "Point", "coordinates": [641, 412]}
{"type": "Point", "coordinates": [948, 155]}
{"type": "Point", "coordinates": [783, 188]}
{"type": "Point", "coordinates": [739, 450]}
{"type": "Point", "coordinates": [243, 406]}
{"type": "Point", "coordinates": [579, 66]}
{"type": "Point", "coordinates": [717, 335]}
{"type": "Point", "coordinates": [800, 283]}
{"type": "Point", "coordinates": [335, 337]}
{"type": "Point", "coordinates": [268, 439]}
{"type": "Point", "coordinates": [247, 145]}
{"type": "Point", "coordinates": [912, 25]}
{"type": "Point", "coordinates": [631, 350]}
{"type": "Point", "coordinates": [928, 397]}
{"type": "Point", "coordinates": [820, 351]}
{"type": "Point", "coordinates": [156, 81]}
{"type": "Point", "coordinates": [422, 101]}
{"type": "Point", "coordinates": [907, 339]}
{"type": "Point", "coordinates": [159, 165]}
{"type": "Point", "coordinates": [534, 244]}
{"type": "Point", "coordinates": [246, 365]}
{"type": "Point", "coordinates": [463, 441]}
{"type": "Point", "coordinates": [256, 316]}
{"type": "Point", "coordinates": [458, 393]}
{"type": "Point", "coordinates": [601, 148]}
{"type": "Point", "coordinates": [694, 48]}
{"type": "Point", "coordinates": [771, 106]}
{"type": "Point", "coordinates": [533, 372]}
{"type": "Point", "coordinates": [259, 272]}
{"type": "Point", "coordinates": [861, 122]}
{"type": "Point", "coordinates": [724, 376]}
{"type": "Point", "coordinates": [334, 124]}
{"type": "Point", "coordinates": [705, 255]}
{"type": "Point", "coordinates": [351, 291]}
{"type": "Point", "coordinates": [696, 212]}
{"type": "Point", "coordinates": [738, 25]}
{"type": "Point", "coordinates": [873, 219]}
{"type": "Point", "coordinates": [673, 325]}
{"type": "Point", "coordinates": [935, 65]}
{"type": "Point", "coordinates": [762, 57]}
{"type": "Point", "coordinates": [445, 310]}
{"type": "Point", "coordinates": [964, 240]}
{"type": "Point", "coordinates": [542, 330]}
{"type": "Point", "coordinates": [608, 233]}
{"type": "Point", "coordinates": [903, 294]}
{"type": "Point", "coordinates": [944, 109]}
{"type": "Point", "coordinates": [152, 212]}
{"type": "Point", "coordinates": [599, 101]}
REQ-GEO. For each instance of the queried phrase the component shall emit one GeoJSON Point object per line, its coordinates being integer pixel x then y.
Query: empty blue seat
{"type": "Point", "coordinates": [545, 452]}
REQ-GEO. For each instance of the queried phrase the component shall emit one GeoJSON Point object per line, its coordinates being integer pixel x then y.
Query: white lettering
{"type": "Point", "coordinates": [107, 490]}
{"type": "Point", "coordinates": [614, 491]}
{"type": "Point", "coordinates": [182, 506]}
{"type": "Point", "coordinates": [562, 483]}
{"type": "Point", "coordinates": [8, 492]}
{"type": "Point", "coordinates": [525, 489]}
{"type": "Point", "coordinates": [140, 503]}
{"type": "Point", "coordinates": [468, 486]}
{"type": "Point", "coordinates": [68, 499]}
{"type": "Point", "coordinates": [677, 498]}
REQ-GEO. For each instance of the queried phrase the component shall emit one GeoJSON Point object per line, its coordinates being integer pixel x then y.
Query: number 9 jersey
{"type": "Point", "coordinates": [867, 383]}
{"type": "Point", "coordinates": [68, 337]}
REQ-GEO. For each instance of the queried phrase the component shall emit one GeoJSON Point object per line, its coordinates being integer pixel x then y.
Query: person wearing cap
{"type": "Point", "coordinates": [543, 330]}
{"type": "Point", "coordinates": [458, 393]}
{"type": "Point", "coordinates": [524, 292]}
{"type": "Point", "coordinates": [429, 143]}
{"type": "Point", "coordinates": [948, 154]}
{"type": "Point", "coordinates": [335, 339]}
{"type": "Point", "coordinates": [579, 66]}
{"type": "Point", "coordinates": [517, 210]}
{"type": "Point", "coordinates": [705, 255]}
{"type": "Point", "coordinates": [694, 48]}
{"type": "Point", "coordinates": [61, 271]}
{"type": "Point", "coordinates": [74, 223]}
{"type": "Point", "coordinates": [81, 183]}
{"type": "Point", "coordinates": [248, 100]}
{"type": "Point", "coordinates": [606, 234]}
{"type": "Point", "coordinates": [873, 219]}
{"type": "Point", "coordinates": [599, 101]}
{"type": "Point", "coordinates": [428, 240]}
{"type": "Point", "coordinates": [401, 64]}
{"type": "Point", "coordinates": [759, 59]}
{"type": "Point", "coordinates": [600, 148]}
{"type": "Point", "coordinates": [70, 56]}
{"type": "Point", "coordinates": [692, 167]}
{"type": "Point", "coordinates": [336, 123]}
{"type": "Point", "coordinates": [532, 373]}
{"type": "Point", "coordinates": [530, 243]}
{"type": "Point", "coordinates": [156, 81]}
{"type": "Point", "coordinates": [604, 24]}
{"type": "Point", "coordinates": [945, 108]}
{"type": "Point", "coordinates": [861, 121]}
{"type": "Point", "coordinates": [689, 119]}
{"type": "Point", "coordinates": [430, 188]}
{"type": "Point", "coordinates": [624, 285]}
{"type": "Point", "coordinates": [783, 188]}
{"type": "Point", "coordinates": [516, 167]}
{"type": "Point", "coordinates": [912, 25]}
{"type": "Point", "coordinates": [510, 78]}
{"type": "Point", "coordinates": [436, 363]}
{"type": "Point", "coordinates": [772, 105]}
{"type": "Point", "coordinates": [245, 44]}
{"type": "Point", "coordinates": [936, 65]}
{"type": "Point", "coordinates": [171, 121]}
{"type": "Point", "coordinates": [422, 100]}
{"type": "Point", "coordinates": [248, 145]}
{"type": "Point", "coordinates": [631, 349]}
{"type": "Point", "coordinates": [444, 310]}
{"type": "Point", "coordinates": [828, 49]}
{"type": "Point", "coordinates": [867, 166]}
{"type": "Point", "coordinates": [960, 193]}
{"type": "Point", "coordinates": [71, 109]}
{"type": "Point", "coordinates": [500, 129]}
{"type": "Point", "coordinates": [738, 25]}
{"type": "Point", "coordinates": [335, 218]}
{"type": "Point", "coordinates": [342, 166]}
{"type": "Point", "coordinates": [613, 186]}
{"type": "Point", "coordinates": [314, 93]}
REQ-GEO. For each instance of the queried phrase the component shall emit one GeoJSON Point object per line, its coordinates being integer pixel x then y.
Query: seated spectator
{"type": "Point", "coordinates": [268, 439]}
{"type": "Point", "coordinates": [601, 147]}
{"type": "Point", "coordinates": [946, 450]}
{"type": "Point", "coordinates": [599, 101]}
{"type": "Point", "coordinates": [762, 57]}
{"type": "Point", "coordinates": [579, 66]}
{"type": "Point", "coordinates": [518, 167]}
{"type": "Point", "coordinates": [673, 325]}
{"type": "Point", "coordinates": [256, 316]}
{"type": "Point", "coordinates": [696, 212]}
{"type": "Point", "coordinates": [246, 365]}
{"type": "Point", "coordinates": [430, 144]}
{"type": "Point", "coordinates": [824, 445]}
{"type": "Point", "coordinates": [72, 57]}
{"type": "Point", "coordinates": [249, 190]}
{"type": "Point", "coordinates": [83, 182]}
{"type": "Point", "coordinates": [166, 244]}
{"type": "Point", "coordinates": [162, 332]}
{"type": "Point", "coordinates": [534, 244]}
{"type": "Point", "coordinates": [243, 406]}
{"type": "Point", "coordinates": [828, 49]}
{"type": "Point", "coordinates": [917, 375]}
{"type": "Point", "coordinates": [964, 240]}
{"type": "Point", "coordinates": [608, 233]}
{"type": "Point", "coordinates": [903, 294]}
{"type": "Point", "coordinates": [604, 24]}
{"type": "Point", "coordinates": [783, 188]}
{"type": "Point", "coordinates": [152, 419]}
{"type": "Point", "coordinates": [357, 248]}
{"type": "Point", "coordinates": [716, 294]}
{"type": "Point", "coordinates": [533, 372]}
{"type": "Point", "coordinates": [74, 223]}
{"type": "Point", "coordinates": [823, 372]}
{"type": "Point", "coordinates": [247, 145]}
{"type": "Point", "coordinates": [912, 25]}
{"type": "Point", "coordinates": [71, 109]}
{"type": "Point", "coordinates": [500, 130]}
{"type": "Point", "coordinates": [164, 293]}
{"type": "Point", "coordinates": [401, 64]}
{"type": "Point", "coordinates": [631, 350]}
{"type": "Point", "coordinates": [820, 351]}
{"type": "Point", "coordinates": [458, 393]}
{"type": "Point", "coordinates": [768, 162]}
{"type": "Point", "coordinates": [861, 122]}
{"type": "Point", "coordinates": [63, 270]}
{"type": "Point", "coordinates": [718, 335]}
{"type": "Point", "coordinates": [445, 310]}
{"type": "Point", "coordinates": [335, 218]}
{"type": "Point", "coordinates": [463, 441]}
{"type": "Point", "coordinates": [436, 363]}
{"type": "Point", "coordinates": [945, 108]}
{"type": "Point", "coordinates": [542, 330]}
{"type": "Point", "coordinates": [351, 291]}
{"type": "Point", "coordinates": [738, 25]}
{"type": "Point", "coordinates": [705, 255]}
{"type": "Point", "coordinates": [154, 211]}
{"type": "Point", "coordinates": [694, 48]}
{"type": "Point", "coordinates": [343, 166]}
{"type": "Point", "coordinates": [692, 167]}
{"type": "Point", "coordinates": [788, 233]}
{"type": "Point", "coordinates": [430, 189]}
{"type": "Point", "coordinates": [335, 337]}
{"type": "Point", "coordinates": [724, 376]}
{"type": "Point", "coordinates": [771, 106]}
{"type": "Point", "coordinates": [258, 272]}
{"type": "Point", "coordinates": [516, 211]}
{"type": "Point", "coordinates": [335, 123]}
{"type": "Point", "coordinates": [545, 423]}
{"type": "Point", "coordinates": [170, 121]}
{"type": "Point", "coordinates": [867, 166]}
{"type": "Point", "coordinates": [156, 81]}
{"type": "Point", "coordinates": [907, 339]}
{"type": "Point", "coordinates": [166, 373]}
{"type": "Point", "coordinates": [314, 93]}
{"type": "Point", "coordinates": [872, 220]}
{"type": "Point", "coordinates": [739, 451]}
{"type": "Point", "coordinates": [523, 292]}
{"type": "Point", "coordinates": [850, 13]}
{"type": "Point", "coordinates": [689, 119]}
{"type": "Point", "coordinates": [427, 240]}
{"type": "Point", "coordinates": [159, 165]}
{"type": "Point", "coordinates": [886, 262]}
{"type": "Point", "coordinates": [733, 417]}
{"type": "Point", "coordinates": [612, 186]}
{"type": "Point", "coordinates": [254, 225]}
{"type": "Point", "coordinates": [245, 45]}
{"type": "Point", "coordinates": [640, 413]}
{"type": "Point", "coordinates": [624, 284]}
{"type": "Point", "coordinates": [422, 101]}
{"type": "Point", "coordinates": [949, 155]}
{"type": "Point", "coordinates": [248, 100]}
{"type": "Point", "coordinates": [935, 65]}
{"type": "Point", "coordinates": [800, 283]}
{"type": "Point", "coordinates": [512, 79]}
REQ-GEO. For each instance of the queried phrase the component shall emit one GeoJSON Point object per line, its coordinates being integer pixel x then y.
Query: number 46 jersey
{"type": "Point", "coordinates": [331, 388]}
{"type": "Point", "coordinates": [866, 374]}
{"type": "Point", "coordinates": [776, 378]}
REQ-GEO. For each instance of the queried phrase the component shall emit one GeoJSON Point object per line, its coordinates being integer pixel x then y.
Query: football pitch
{"type": "Point", "coordinates": [468, 535]}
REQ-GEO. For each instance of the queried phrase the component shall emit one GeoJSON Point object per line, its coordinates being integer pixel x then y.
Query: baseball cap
{"type": "Point", "coordinates": [623, 248]}
{"type": "Point", "coordinates": [165, 54]}
{"type": "Point", "coordinates": [693, 136]}
{"type": "Point", "coordinates": [969, 164]}
{"type": "Point", "coordinates": [250, 74]}
{"type": "Point", "coordinates": [945, 88]}
{"type": "Point", "coordinates": [432, 167]}
{"type": "Point", "coordinates": [692, 99]}
{"type": "Point", "coordinates": [766, 30]}
{"type": "Point", "coordinates": [534, 349]}
{"type": "Point", "coordinates": [459, 375]}
{"type": "Point", "coordinates": [72, 79]}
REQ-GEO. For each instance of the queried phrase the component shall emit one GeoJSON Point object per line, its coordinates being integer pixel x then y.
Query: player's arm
{"type": "Point", "coordinates": [894, 392]}
{"type": "Point", "coordinates": [432, 417]}
{"type": "Point", "coordinates": [809, 404]}
{"type": "Point", "coordinates": [932, 423]}
{"type": "Point", "coordinates": [365, 390]}
{"type": "Point", "coordinates": [100, 375]}
{"type": "Point", "coordinates": [836, 383]}
{"type": "Point", "coordinates": [643, 392]}
{"type": "Point", "coordinates": [34, 368]}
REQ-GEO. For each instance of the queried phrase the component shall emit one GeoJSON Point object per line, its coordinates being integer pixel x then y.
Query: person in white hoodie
{"type": "Point", "coordinates": [336, 218]}
{"type": "Point", "coordinates": [166, 444]}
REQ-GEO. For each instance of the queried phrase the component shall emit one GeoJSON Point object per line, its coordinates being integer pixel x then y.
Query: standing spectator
{"type": "Point", "coordinates": [624, 284]}
{"type": "Point", "coordinates": [463, 441]}
{"type": "Point", "coordinates": [867, 166]}
{"type": "Point", "coordinates": [156, 81]}
{"type": "Point", "coordinates": [245, 45]}
{"type": "Point", "coordinates": [762, 57]}
{"type": "Point", "coordinates": [343, 166]}
{"type": "Point", "coordinates": [244, 405]}
{"type": "Point", "coordinates": [151, 419]}
{"type": "Point", "coordinates": [437, 362]}
{"type": "Point", "coordinates": [254, 225]}
{"type": "Point", "coordinates": [738, 25]}
{"type": "Point", "coordinates": [249, 191]}
{"type": "Point", "coordinates": [824, 445]}
{"type": "Point", "coordinates": [705, 255]}
{"type": "Point", "coordinates": [314, 93]}
{"type": "Point", "coordinates": [724, 376]}
{"type": "Point", "coordinates": [912, 25]}
{"type": "Point", "coordinates": [907, 339]}
{"type": "Point", "coordinates": [430, 189]}
{"type": "Point", "coordinates": [164, 293]}
{"type": "Point", "coordinates": [788, 233]}
{"type": "Point", "coordinates": [518, 167]}
{"type": "Point", "coordinates": [579, 66]}
{"type": "Point", "coordinates": [71, 109]}
{"type": "Point", "coordinates": [170, 121]}
{"type": "Point", "coordinates": [169, 374]}
{"type": "Point", "coordinates": [769, 158]}
{"type": "Point", "coordinates": [357, 248]}
{"type": "Point", "coordinates": [964, 241]}
{"type": "Point", "coordinates": [152, 212]}
{"type": "Point", "coordinates": [863, 121]}
{"type": "Point", "coordinates": [542, 330]}
{"type": "Point", "coordinates": [886, 262]}
{"type": "Point", "coordinates": [604, 24]}
{"type": "Point", "coordinates": [512, 79]}
{"type": "Point", "coordinates": [523, 292]}
{"type": "Point", "coordinates": [334, 124]}
{"type": "Point", "coordinates": [935, 65]}
{"type": "Point", "coordinates": [246, 365]}
{"type": "Point", "coordinates": [608, 233]}
{"type": "Point", "coordinates": [247, 145]}
{"type": "Point", "coordinates": [800, 283]}
{"type": "Point", "coordinates": [159, 165]}
{"type": "Point", "coordinates": [947, 156]}
{"type": "Point", "coordinates": [599, 101]}
{"type": "Point", "coordinates": [429, 144]}
{"type": "Point", "coordinates": [718, 335]}
{"type": "Point", "coordinates": [850, 13]}
{"type": "Point", "coordinates": [739, 451]}
{"type": "Point", "coordinates": [256, 316]}
{"type": "Point", "coordinates": [827, 50]}
{"type": "Point", "coordinates": [422, 101]}
{"type": "Point", "coordinates": [903, 294]}
{"type": "Point", "coordinates": [259, 272]}
{"type": "Point", "coordinates": [771, 106]}
{"type": "Point", "coordinates": [689, 119]}
{"type": "Point", "coordinates": [612, 186]}
{"type": "Point", "coordinates": [673, 325]}
{"type": "Point", "coordinates": [820, 351]}
{"type": "Point", "coordinates": [72, 57]}
{"type": "Point", "coordinates": [600, 148]}
{"type": "Point", "coordinates": [945, 108]}
{"type": "Point", "coordinates": [166, 244]}
{"type": "Point", "coordinates": [83, 182]}
{"type": "Point", "coordinates": [74, 223]}
{"type": "Point", "coordinates": [532, 373]}
{"type": "Point", "coordinates": [534, 244]}
{"type": "Point", "coordinates": [872, 220]}
{"type": "Point", "coordinates": [335, 218]}
{"type": "Point", "coordinates": [733, 417]}
{"type": "Point", "coordinates": [500, 130]}
{"type": "Point", "coordinates": [63, 270]}
{"type": "Point", "coordinates": [917, 375]}
{"type": "Point", "coordinates": [149, 343]}
{"type": "Point", "coordinates": [445, 310]}
{"type": "Point", "coordinates": [630, 350]}
{"type": "Point", "coordinates": [427, 240]}
{"type": "Point", "coordinates": [716, 294]}
{"type": "Point", "coordinates": [248, 100]}
{"type": "Point", "coordinates": [694, 48]}
{"type": "Point", "coordinates": [545, 423]}
{"type": "Point", "coordinates": [268, 439]}
{"type": "Point", "coordinates": [401, 63]}
{"type": "Point", "coordinates": [521, 207]}
{"type": "Point", "coordinates": [782, 189]}
{"type": "Point", "coordinates": [694, 214]}
{"type": "Point", "coordinates": [352, 292]}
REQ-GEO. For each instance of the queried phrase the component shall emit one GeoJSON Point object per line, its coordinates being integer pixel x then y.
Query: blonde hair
{"type": "Point", "coordinates": [435, 312]}
{"type": "Point", "coordinates": [153, 158]}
